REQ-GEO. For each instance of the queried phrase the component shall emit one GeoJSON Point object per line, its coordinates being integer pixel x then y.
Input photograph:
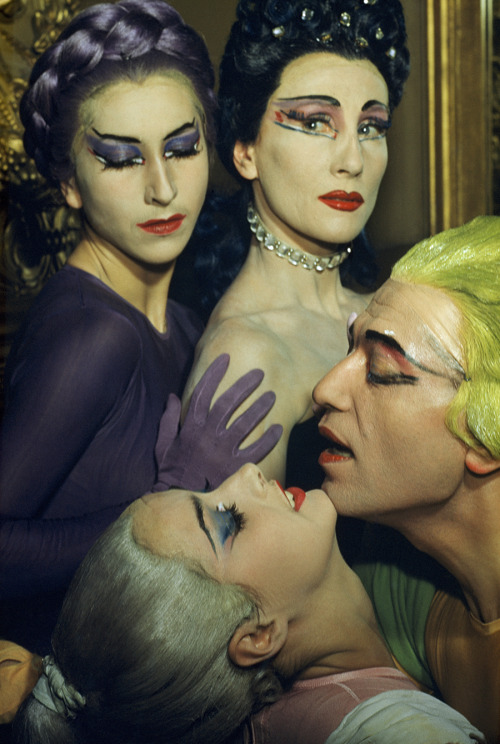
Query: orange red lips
{"type": "Point", "coordinates": [342, 201]}
{"type": "Point", "coordinates": [340, 452]}
{"type": "Point", "coordinates": [163, 227]}
{"type": "Point", "coordinates": [299, 497]}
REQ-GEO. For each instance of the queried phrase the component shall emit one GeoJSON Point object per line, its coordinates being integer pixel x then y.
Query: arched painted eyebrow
{"type": "Point", "coordinates": [373, 104]}
{"type": "Point", "coordinates": [200, 516]}
{"type": "Point", "coordinates": [323, 99]}
{"type": "Point", "coordinates": [334, 101]}
{"type": "Point", "coordinates": [391, 342]}
{"type": "Point", "coordinates": [135, 140]}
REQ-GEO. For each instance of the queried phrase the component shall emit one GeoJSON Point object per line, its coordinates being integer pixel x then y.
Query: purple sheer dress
{"type": "Point", "coordinates": [86, 384]}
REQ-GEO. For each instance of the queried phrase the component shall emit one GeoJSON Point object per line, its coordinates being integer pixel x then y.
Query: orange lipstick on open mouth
{"type": "Point", "coordinates": [339, 452]}
{"type": "Point", "coordinates": [299, 496]}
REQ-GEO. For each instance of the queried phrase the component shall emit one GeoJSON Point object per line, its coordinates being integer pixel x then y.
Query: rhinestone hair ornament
{"type": "Point", "coordinates": [307, 14]}
{"type": "Point", "coordinates": [294, 256]}
{"type": "Point", "coordinates": [55, 693]}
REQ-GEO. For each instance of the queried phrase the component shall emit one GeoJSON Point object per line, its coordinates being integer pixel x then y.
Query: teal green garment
{"type": "Point", "coordinates": [401, 582]}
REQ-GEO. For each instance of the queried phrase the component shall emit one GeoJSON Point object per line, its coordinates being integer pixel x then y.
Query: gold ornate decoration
{"type": "Point", "coordinates": [37, 231]}
{"type": "Point", "coordinates": [459, 36]}
{"type": "Point", "coordinates": [11, 9]}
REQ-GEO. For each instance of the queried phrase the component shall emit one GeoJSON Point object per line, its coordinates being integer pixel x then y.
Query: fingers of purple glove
{"type": "Point", "coordinates": [203, 393]}
{"type": "Point", "coordinates": [248, 420]}
{"type": "Point", "coordinates": [256, 451]}
{"type": "Point", "coordinates": [169, 425]}
{"type": "Point", "coordinates": [226, 405]}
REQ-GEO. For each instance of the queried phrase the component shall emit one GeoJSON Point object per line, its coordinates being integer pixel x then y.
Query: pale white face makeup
{"type": "Point", "coordinates": [246, 532]}
{"type": "Point", "coordinates": [442, 321]}
{"type": "Point", "coordinates": [385, 407]}
{"type": "Point", "coordinates": [141, 166]}
{"type": "Point", "coordinates": [321, 151]}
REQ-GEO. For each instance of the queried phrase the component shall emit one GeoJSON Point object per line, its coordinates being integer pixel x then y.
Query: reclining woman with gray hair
{"type": "Point", "coordinates": [195, 610]}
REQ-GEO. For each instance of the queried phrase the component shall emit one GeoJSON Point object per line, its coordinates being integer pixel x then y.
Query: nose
{"type": "Point", "coordinates": [333, 390]}
{"type": "Point", "coordinates": [253, 481]}
{"type": "Point", "coordinates": [160, 187]}
{"type": "Point", "coordinates": [348, 156]}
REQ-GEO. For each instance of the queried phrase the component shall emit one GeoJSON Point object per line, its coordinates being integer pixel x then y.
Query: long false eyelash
{"type": "Point", "coordinates": [377, 122]}
{"type": "Point", "coordinates": [194, 150]}
{"type": "Point", "coordinates": [119, 166]}
{"type": "Point", "coordinates": [116, 164]}
{"type": "Point", "coordinates": [399, 379]}
{"type": "Point", "coordinates": [301, 117]}
{"type": "Point", "coordinates": [185, 145]}
{"type": "Point", "coordinates": [239, 517]}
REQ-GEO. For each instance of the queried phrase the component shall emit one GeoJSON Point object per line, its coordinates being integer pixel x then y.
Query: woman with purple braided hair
{"type": "Point", "coordinates": [118, 117]}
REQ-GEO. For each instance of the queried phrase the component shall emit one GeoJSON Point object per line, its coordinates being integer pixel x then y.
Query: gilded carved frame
{"type": "Point", "coordinates": [460, 81]}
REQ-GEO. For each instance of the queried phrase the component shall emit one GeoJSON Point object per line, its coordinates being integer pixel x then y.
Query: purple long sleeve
{"type": "Point", "coordinates": [42, 554]}
{"type": "Point", "coordinates": [87, 382]}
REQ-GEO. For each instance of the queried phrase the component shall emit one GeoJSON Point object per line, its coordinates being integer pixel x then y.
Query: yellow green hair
{"type": "Point", "coordinates": [464, 262]}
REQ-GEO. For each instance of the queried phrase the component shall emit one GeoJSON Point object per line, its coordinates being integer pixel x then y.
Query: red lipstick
{"type": "Point", "coordinates": [162, 227]}
{"type": "Point", "coordinates": [340, 452]}
{"type": "Point", "coordinates": [299, 497]}
{"type": "Point", "coordinates": [342, 201]}
{"type": "Point", "coordinates": [325, 432]}
{"type": "Point", "coordinates": [326, 458]}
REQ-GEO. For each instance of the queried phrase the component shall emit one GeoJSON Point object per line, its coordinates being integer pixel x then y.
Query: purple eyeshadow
{"type": "Point", "coordinates": [113, 152]}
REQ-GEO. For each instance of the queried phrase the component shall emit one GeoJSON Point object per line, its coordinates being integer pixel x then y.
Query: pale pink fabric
{"type": "Point", "coordinates": [314, 708]}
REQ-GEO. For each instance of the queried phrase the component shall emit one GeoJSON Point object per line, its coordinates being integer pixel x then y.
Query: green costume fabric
{"type": "Point", "coordinates": [401, 582]}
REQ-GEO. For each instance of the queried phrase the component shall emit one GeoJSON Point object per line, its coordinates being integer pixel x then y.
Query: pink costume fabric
{"type": "Point", "coordinates": [367, 706]}
{"type": "Point", "coordinates": [313, 708]}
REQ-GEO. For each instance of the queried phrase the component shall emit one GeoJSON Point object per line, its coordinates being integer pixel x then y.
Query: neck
{"type": "Point", "coordinates": [144, 286]}
{"type": "Point", "coordinates": [463, 536]}
{"type": "Point", "coordinates": [338, 634]}
{"type": "Point", "coordinates": [268, 280]}
{"type": "Point", "coordinates": [294, 254]}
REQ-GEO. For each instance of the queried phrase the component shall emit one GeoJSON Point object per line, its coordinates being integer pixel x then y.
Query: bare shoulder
{"type": "Point", "coordinates": [250, 343]}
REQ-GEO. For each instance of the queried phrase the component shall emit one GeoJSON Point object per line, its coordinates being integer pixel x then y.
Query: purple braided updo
{"type": "Point", "coordinates": [106, 43]}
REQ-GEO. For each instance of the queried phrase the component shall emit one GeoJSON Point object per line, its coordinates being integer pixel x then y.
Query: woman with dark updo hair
{"type": "Point", "coordinates": [307, 91]}
{"type": "Point", "coordinates": [119, 117]}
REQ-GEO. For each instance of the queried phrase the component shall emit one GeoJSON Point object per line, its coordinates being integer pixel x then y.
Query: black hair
{"type": "Point", "coordinates": [269, 34]}
{"type": "Point", "coordinates": [266, 37]}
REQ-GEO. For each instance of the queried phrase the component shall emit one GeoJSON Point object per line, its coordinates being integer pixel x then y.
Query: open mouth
{"type": "Point", "coordinates": [294, 496]}
{"type": "Point", "coordinates": [340, 450]}
{"type": "Point", "coordinates": [337, 450]}
{"type": "Point", "coordinates": [330, 456]}
{"type": "Point", "coordinates": [298, 496]}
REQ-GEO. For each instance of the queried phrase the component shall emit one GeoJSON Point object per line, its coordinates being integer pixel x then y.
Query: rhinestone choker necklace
{"type": "Point", "coordinates": [294, 255]}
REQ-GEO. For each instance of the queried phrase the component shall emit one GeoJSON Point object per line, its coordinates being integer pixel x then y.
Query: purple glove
{"type": "Point", "coordinates": [204, 452]}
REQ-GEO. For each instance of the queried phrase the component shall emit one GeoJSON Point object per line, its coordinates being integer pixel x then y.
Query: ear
{"type": "Point", "coordinates": [244, 161]}
{"type": "Point", "coordinates": [480, 462]}
{"type": "Point", "coordinates": [71, 193]}
{"type": "Point", "coordinates": [252, 642]}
